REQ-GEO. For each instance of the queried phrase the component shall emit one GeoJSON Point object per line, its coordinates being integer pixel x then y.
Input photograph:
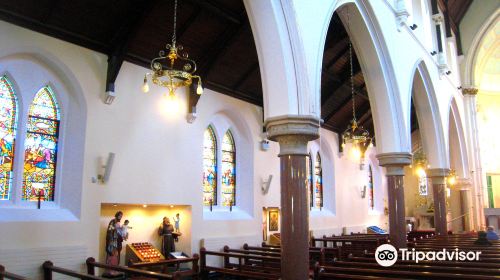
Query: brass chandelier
{"type": "Point", "coordinates": [355, 134]}
{"type": "Point", "coordinates": [172, 70]}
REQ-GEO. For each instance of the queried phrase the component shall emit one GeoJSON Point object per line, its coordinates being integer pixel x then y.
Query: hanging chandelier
{"type": "Point", "coordinates": [419, 164]}
{"type": "Point", "coordinates": [355, 134]}
{"type": "Point", "coordinates": [172, 70]}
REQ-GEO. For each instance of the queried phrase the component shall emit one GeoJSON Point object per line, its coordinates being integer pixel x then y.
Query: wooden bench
{"type": "Point", "coordinates": [8, 275]}
{"type": "Point", "coordinates": [92, 264]}
{"type": "Point", "coordinates": [165, 264]}
{"type": "Point", "coordinates": [49, 269]}
{"type": "Point", "coordinates": [251, 266]}
{"type": "Point", "coordinates": [329, 272]}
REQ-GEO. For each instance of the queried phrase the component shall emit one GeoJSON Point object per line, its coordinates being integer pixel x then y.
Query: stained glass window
{"type": "Point", "coordinates": [318, 188]}
{"type": "Point", "coordinates": [40, 147]}
{"type": "Point", "coordinates": [228, 170]}
{"type": "Point", "coordinates": [209, 167]}
{"type": "Point", "coordinates": [309, 168]}
{"type": "Point", "coordinates": [8, 127]}
{"type": "Point", "coordinates": [370, 187]}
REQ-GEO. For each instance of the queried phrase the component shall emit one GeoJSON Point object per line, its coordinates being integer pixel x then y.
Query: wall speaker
{"type": "Point", "coordinates": [107, 169]}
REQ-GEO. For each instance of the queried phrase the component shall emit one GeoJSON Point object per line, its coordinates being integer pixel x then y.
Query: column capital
{"type": "Point", "coordinates": [437, 172]}
{"type": "Point", "coordinates": [469, 91]}
{"type": "Point", "coordinates": [394, 162]}
{"type": "Point", "coordinates": [293, 132]}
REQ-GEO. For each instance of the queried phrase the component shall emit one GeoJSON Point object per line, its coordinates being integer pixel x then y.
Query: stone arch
{"type": "Point", "coordinates": [471, 58]}
{"type": "Point", "coordinates": [377, 69]}
{"type": "Point", "coordinates": [430, 124]}
{"type": "Point", "coordinates": [457, 144]}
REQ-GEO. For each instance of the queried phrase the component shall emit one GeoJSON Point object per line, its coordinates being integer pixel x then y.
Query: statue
{"type": "Point", "coordinates": [167, 239]}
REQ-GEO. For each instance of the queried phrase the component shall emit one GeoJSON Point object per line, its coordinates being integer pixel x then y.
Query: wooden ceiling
{"type": "Point", "coordinates": [215, 33]}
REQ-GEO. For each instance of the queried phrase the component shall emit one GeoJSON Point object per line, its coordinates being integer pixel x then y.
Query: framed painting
{"type": "Point", "coordinates": [273, 220]}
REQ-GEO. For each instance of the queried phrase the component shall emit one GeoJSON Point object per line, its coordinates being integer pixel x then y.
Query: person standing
{"type": "Point", "coordinates": [167, 240]}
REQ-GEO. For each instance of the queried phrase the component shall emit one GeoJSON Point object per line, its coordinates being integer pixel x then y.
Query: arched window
{"type": "Point", "coordinates": [370, 187]}
{"type": "Point", "coordinates": [318, 187]}
{"type": "Point", "coordinates": [40, 147]}
{"type": "Point", "coordinates": [8, 128]}
{"type": "Point", "coordinates": [228, 170]}
{"type": "Point", "coordinates": [309, 172]}
{"type": "Point", "coordinates": [209, 167]}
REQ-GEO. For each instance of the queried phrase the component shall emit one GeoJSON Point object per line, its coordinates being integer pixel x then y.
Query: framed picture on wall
{"type": "Point", "coordinates": [273, 220]}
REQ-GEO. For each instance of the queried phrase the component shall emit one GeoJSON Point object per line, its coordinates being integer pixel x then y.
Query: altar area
{"type": "Point", "coordinates": [144, 223]}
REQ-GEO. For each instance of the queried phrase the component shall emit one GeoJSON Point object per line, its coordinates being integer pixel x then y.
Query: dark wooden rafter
{"type": "Point", "coordinates": [344, 103]}
{"type": "Point", "coordinates": [344, 79]}
{"type": "Point", "coordinates": [51, 30]}
{"type": "Point", "coordinates": [218, 48]}
{"type": "Point", "coordinates": [208, 6]}
{"type": "Point", "coordinates": [119, 43]}
{"type": "Point", "coordinates": [341, 49]}
{"type": "Point", "coordinates": [245, 96]}
{"type": "Point", "coordinates": [245, 75]}
{"type": "Point", "coordinates": [185, 26]}
{"type": "Point", "coordinates": [46, 17]}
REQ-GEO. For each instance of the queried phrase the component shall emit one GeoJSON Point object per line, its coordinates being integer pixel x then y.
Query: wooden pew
{"type": "Point", "coordinates": [165, 264]}
{"type": "Point", "coordinates": [328, 272]}
{"type": "Point", "coordinates": [315, 253]}
{"type": "Point", "coordinates": [242, 268]}
{"type": "Point", "coordinates": [92, 264]}
{"type": "Point", "coordinates": [440, 263]}
{"type": "Point", "coordinates": [420, 267]}
{"type": "Point", "coordinates": [49, 269]}
{"type": "Point", "coordinates": [8, 275]}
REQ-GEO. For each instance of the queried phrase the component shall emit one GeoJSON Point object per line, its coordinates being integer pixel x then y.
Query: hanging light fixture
{"type": "Point", "coordinates": [355, 134]}
{"type": "Point", "coordinates": [173, 70]}
{"type": "Point", "coordinates": [452, 178]}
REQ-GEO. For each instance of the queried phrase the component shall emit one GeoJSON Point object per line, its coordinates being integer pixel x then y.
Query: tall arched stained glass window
{"type": "Point", "coordinates": [309, 172]}
{"type": "Point", "coordinates": [8, 128]}
{"type": "Point", "coordinates": [209, 167]}
{"type": "Point", "coordinates": [370, 187]}
{"type": "Point", "coordinates": [40, 147]}
{"type": "Point", "coordinates": [228, 170]}
{"type": "Point", "coordinates": [318, 187]}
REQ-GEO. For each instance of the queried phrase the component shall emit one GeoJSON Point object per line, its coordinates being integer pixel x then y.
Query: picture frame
{"type": "Point", "coordinates": [273, 220]}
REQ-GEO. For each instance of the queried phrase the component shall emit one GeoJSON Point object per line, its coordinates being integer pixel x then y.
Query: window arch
{"type": "Point", "coordinates": [228, 170]}
{"type": "Point", "coordinates": [40, 147]}
{"type": "Point", "coordinates": [209, 167]}
{"type": "Point", "coordinates": [371, 197]}
{"type": "Point", "coordinates": [318, 186]}
{"type": "Point", "coordinates": [8, 129]}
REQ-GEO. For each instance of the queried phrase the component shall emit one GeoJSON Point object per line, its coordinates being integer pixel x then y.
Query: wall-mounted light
{"type": "Point", "coordinates": [109, 97]}
{"type": "Point", "coordinates": [433, 53]}
{"type": "Point", "coordinates": [459, 88]}
{"type": "Point", "coordinates": [413, 26]}
{"type": "Point", "coordinates": [448, 72]}
{"type": "Point", "coordinates": [264, 145]}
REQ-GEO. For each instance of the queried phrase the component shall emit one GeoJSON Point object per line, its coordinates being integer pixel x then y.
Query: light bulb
{"type": "Point", "coordinates": [355, 152]}
{"type": "Point", "coordinates": [145, 86]}
{"type": "Point", "coordinates": [199, 89]}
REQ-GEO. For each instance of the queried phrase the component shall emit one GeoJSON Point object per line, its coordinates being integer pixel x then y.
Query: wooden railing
{"type": "Point", "coordinates": [8, 275]}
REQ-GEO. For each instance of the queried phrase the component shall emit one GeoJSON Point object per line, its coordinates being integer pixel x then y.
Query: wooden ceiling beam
{"type": "Point", "coordinates": [120, 42]}
{"type": "Point", "coordinates": [46, 17]}
{"type": "Point", "coordinates": [53, 31]}
{"type": "Point", "coordinates": [343, 48]}
{"type": "Point", "coordinates": [218, 48]}
{"type": "Point", "coordinates": [210, 7]}
{"type": "Point", "coordinates": [245, 75]}
{"type": "Point", "coordinates": [185, 26]}
{"type": "Point", "coordinates": [344, 102]}
{"type": "Point", "coordinates": [245, 96]}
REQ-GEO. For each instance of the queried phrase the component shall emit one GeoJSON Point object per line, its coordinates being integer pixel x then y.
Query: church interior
{"type": "Point", "coordinates": [249, 139]}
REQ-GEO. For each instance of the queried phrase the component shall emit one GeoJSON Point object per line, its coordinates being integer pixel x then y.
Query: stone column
{"type": "Point", "coordinates": [438, 177]}
{"type": "Point", "coordinates": [477, 189]}
{"type": "Point", "coordinates": [293, 133]}
{"type": "Point", "coordinates": [464, 185]}
{"type": "Point", "coordinates": [394, 164]}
